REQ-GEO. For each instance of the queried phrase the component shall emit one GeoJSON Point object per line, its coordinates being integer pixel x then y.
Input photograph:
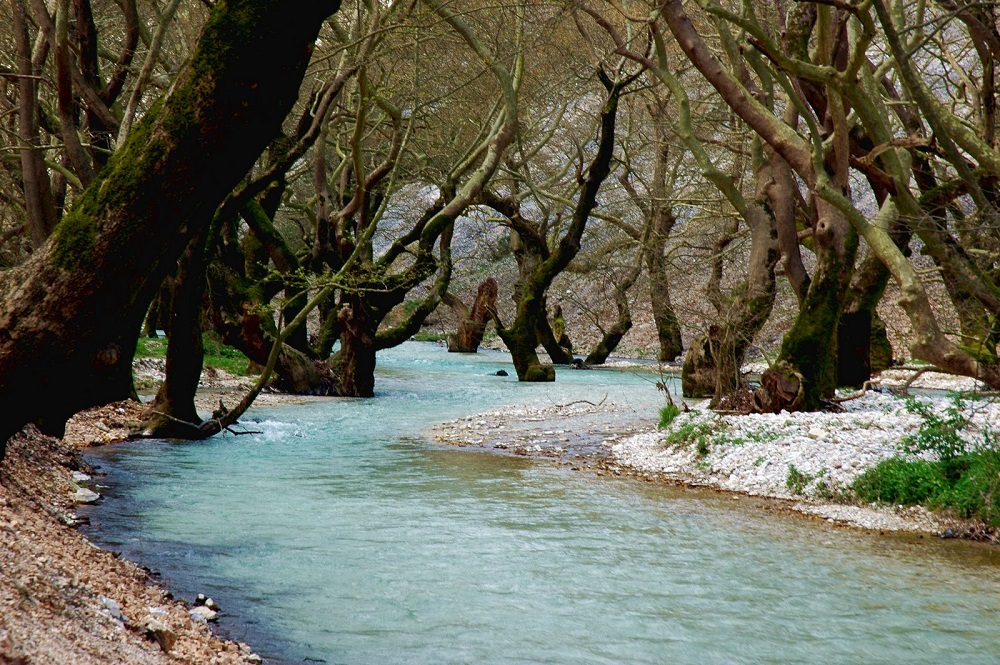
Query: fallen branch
{"type": "Point", "coordinates": [865, 387]}
{"type": "Point", "coordinates": [582, 401]}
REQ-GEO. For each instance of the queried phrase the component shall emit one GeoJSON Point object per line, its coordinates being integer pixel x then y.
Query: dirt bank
{"type": "Point", "coordinates": [63, 600]}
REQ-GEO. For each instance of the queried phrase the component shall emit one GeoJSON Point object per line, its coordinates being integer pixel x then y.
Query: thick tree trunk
{"type": "Point", "coordinates": [668, 328]}
{"type": "Point", "coordinates": [809, 350]}
{"type": "Point", "coordinates": [521, 339]}
{"type": "Point", "coordinates": [172, 413]}
{"type": "Point", "coordinates": [71, 315]}
{"type": "Point", "coordinates": [354, 363]}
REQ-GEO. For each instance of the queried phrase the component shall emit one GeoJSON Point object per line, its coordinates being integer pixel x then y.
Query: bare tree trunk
{"type": "Point", "coordinates": [172, 412]}
{"type": "Point", "coordinates": [38, 200]}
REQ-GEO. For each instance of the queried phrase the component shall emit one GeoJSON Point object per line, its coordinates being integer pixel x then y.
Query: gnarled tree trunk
{"type": "Point", "coordinates": [472, 324]}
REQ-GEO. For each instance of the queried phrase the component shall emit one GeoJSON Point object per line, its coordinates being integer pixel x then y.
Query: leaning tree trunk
{"type": "Point", "coordinates": [521, 337]}
{"type": "Point", "coordinates": [472, 324]}
{"type": "Point", "coordinates": [613, 336]}
{"type": "Point", "coordinates": [71, 314]}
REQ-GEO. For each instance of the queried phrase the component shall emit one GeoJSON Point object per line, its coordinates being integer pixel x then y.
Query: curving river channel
{"type": "Point", "coordinates": [338, 535]}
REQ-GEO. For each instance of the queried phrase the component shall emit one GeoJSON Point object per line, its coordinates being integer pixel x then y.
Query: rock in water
{"type": "Point", "coordinates": [84, 495]}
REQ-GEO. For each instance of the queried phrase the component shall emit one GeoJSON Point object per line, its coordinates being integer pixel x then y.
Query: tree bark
{"type": "Point", "coordinates": [172, 413]}
{"type": "Point", "coordinates": [71, 315]}
{"type": "Point", "coordinates": [472, 324]}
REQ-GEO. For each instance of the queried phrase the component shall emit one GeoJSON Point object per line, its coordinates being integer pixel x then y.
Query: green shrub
{"type": "Point", "coordinates": [899, 481]}
{"type": "Point", "coordinates": [938, 434]}
{"type": "Point", "coordinates": [667, 415]}
{"type": "Point", "coordinates": [968, 485]}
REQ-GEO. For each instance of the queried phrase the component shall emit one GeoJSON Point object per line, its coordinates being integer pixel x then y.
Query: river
{"type": "Point", "coordinates": [340, 535]}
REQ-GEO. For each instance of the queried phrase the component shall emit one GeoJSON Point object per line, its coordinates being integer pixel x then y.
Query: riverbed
{"type": "Point", "coordinates": [340, 534]}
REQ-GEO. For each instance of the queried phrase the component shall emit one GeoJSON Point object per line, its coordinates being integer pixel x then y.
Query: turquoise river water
{"type": "Point", "coordinates": [339, 535]}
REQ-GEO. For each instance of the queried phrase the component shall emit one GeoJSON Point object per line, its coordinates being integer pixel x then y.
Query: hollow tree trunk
{"type": "Point", "coordinates": [472, 325]}
{"type": "Point", "coordinates": [861, 337]}
{"type": "Point", "coordinates": [71, 314]}
{"type": "Point", "coordinates": [808, 357]}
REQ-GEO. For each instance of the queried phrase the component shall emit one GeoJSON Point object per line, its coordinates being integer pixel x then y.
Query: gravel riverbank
{"type": "Point", "coordinates": [756, 455]}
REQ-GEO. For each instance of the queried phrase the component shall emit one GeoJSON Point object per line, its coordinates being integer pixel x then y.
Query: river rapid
{"type": "Point", "coordinates": [340, 534]}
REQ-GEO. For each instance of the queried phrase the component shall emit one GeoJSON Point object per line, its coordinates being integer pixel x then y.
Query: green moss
{"type": "Point", "coordinates": [540, 373]}
{"type": "Point", "coordinates": [74, 239]}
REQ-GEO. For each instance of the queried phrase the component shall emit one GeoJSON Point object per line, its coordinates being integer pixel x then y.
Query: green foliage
{"type": "Point", "coordinates": [667, 415]}
{"type": "Point", "coordinates": [796, 480]}
{"type": "Point", "coordinates": [938, 434]}
{"type": "Point", "coordinates": [217, 354]}
{"type": "Point", "coordinates": [968, 484]}
{"type": "Point", "coordinates": [964, 477]}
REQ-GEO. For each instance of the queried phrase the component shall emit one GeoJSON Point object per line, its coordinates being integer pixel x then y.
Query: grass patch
{"type": "Point", "coordinates": [796, 480]}
{"type": "Point", "coordinates": [667, 415]}
{"type": "Point", "coordinates": [149, 347]}
{"type": "Point", "coordinates": [692, 433]}
{"type": "Point", "coordinates": [217, 354]}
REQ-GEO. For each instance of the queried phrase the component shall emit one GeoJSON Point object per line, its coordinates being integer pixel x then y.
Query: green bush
{"type": "Point", "coordinates": [968, 485]}
{"type": "Point", "coordinates": [667, 415]}
{"type": "Point", "coordinates": [900, 481]}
